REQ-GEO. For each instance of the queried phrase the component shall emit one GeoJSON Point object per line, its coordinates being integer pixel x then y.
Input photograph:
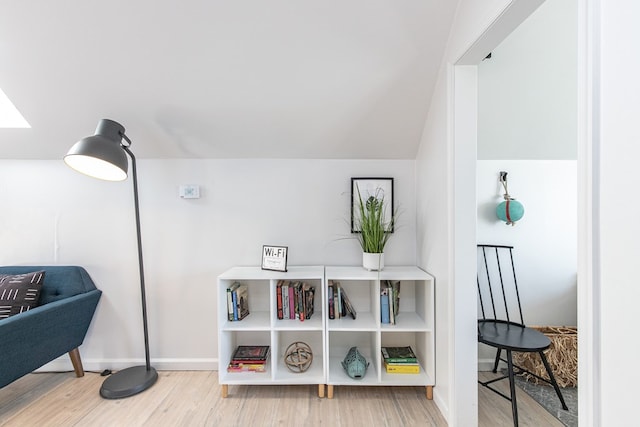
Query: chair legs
{"type": "Point", "coordinates": [495, 365]}
{"type": "Point", "coordinates": [553, 380]}
{"type": "Point", "coordinates": [76, 362]}
{"type": "Point", "coordinates": [512, 383]}
{"type": "Point", "coordinates": [512, 387]}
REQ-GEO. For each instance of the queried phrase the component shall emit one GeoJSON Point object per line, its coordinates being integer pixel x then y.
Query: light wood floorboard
{"type": "Point", "coordinates": [495, 410]}
{"type": "Point", "coordinates": [193, 398]}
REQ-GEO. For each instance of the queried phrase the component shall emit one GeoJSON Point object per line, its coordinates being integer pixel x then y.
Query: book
{"type": "Point", "coordinates": [332, 314]}
{"type": "Point", "coordinates": [292, 301]}
{"type": "Point", "coordinates": [398, 355]}
{"type": "Point", "coordinates": [396, 297]}
{"type": "Point", "coordinates": [234, 301]}
{"type": "Point", "coordinates": [245, 353]}
{"type": "Point", "coordinates": [347, 305]}
{"type": "Point", "coordinates": [242, 301]}
{"type": "Point", "coordinates": [279, 299]}
{"type": "Point", "coordinates": [309, 296]}
{"type": "Point", "coordinates": [384, 306]}
{"type": "Point", "coordinates": [230, 291]}
{"type": "Point", "coordinates": [285, 300]}
{"type": "Point", "coordinates": [247, 367]}
{"type": "Point", "coordinates": [338, 300]}
{"type": "Point", "coordinates": [401, 368]}
{"type": "Point", "coordinates": [392, 317]}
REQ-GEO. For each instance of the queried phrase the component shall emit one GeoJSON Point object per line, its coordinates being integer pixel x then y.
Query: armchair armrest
{"type": "Point", "coordinates": [42, 334]}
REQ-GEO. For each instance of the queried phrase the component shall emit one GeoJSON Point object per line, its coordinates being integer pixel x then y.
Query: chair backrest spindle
{"type": "Point", "coordinates": [481, 303]}
{"type": "Point", "coordinates": [496, 271]}
{"type": "Point", "coordinates": [486, 269]}
{"type": "Point", "coordinates": [504, 293]}
{"type": "Point", "coordinates": [515, 283]}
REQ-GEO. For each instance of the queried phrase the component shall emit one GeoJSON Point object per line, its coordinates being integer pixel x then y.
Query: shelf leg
{"type": "Point", "coordinates": [429, 392]}
{"type": "Point", "coordinates": [329, 391]}
{"type": "Point", "coordinates": [225, 390]}
{"type": "Point", "coordinates": [320, 390]}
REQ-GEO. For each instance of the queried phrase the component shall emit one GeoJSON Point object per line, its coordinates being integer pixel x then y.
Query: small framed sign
{"type": "Point", "coordinates": [274, 258]}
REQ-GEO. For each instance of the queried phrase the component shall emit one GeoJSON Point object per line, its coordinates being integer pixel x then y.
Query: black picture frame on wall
{"type": "Point", "coordinates": [370, 187]}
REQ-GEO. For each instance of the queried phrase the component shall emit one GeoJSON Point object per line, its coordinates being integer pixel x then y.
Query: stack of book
{"type": "Point", "coordinates": [338, 302]}
{"type": "Point", "coordinates": [237, 301]}
{"type": "Point", "coordinates": [389, 301]}
{"type": "Point", "coordinates": [294, 300]}
{"type": "Point", "coordinates": [400, 360]}
{"type": "Point", "coordinates": [249, 358]}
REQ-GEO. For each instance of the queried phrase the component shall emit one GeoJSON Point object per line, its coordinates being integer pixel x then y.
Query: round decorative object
{"type": "Point", "coordinates": [510, 211]}
{"type": "Point", "coordinates": [298, 357]}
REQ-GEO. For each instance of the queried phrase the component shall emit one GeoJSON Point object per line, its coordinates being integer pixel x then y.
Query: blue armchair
{"type": "Point", "coordinates": [56, 326]}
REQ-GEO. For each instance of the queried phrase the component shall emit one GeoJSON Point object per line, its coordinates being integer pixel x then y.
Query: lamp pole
{"type": "Point", "coordinates": [134, 173]}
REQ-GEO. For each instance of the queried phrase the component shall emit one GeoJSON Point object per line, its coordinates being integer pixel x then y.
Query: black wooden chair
{"type": "Point", "coordinates": [499, 328]}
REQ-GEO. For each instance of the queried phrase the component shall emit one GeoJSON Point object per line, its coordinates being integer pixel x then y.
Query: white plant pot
{"type": "Point", "coordinates": [373, 262]}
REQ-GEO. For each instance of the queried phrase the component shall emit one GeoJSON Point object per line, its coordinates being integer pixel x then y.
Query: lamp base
{"type": "Point", "coordinates": [128, 382]}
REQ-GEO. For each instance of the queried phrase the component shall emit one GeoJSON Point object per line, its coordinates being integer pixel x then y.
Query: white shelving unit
{"type": "Point", "coordinates": [330, 340]}
{"type": "Point", "coordinates": [414, 326]}
{"type": "Point", "coordinates": [262, 327]}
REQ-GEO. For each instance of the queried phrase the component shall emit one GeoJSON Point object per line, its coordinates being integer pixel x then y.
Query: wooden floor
{"type": "Point", "coordinates": [193, 398]}
{"type": "Point", "coordinates": [494, 410]}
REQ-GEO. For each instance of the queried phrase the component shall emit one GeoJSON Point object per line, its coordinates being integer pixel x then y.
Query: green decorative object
{"type": "Point", "coordinates": [355, 364]}
{"type": "Point", "coordinates": [510, 211]}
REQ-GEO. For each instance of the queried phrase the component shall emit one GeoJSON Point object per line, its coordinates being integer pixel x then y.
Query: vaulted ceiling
{"type": "Point", "coordinates": [223, 79]}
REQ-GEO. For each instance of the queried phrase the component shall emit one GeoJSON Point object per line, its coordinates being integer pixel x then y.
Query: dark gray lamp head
{"type": "Point", "coordinates": [101, 155]}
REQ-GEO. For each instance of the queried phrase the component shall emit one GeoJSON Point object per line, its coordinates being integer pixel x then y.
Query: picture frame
{"type": "Point", "coordinates": [370, 187]}
{"type": "Point", "coordinates": [274, 258]}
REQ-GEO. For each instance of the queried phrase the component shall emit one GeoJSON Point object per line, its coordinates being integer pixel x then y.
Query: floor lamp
{"type": "Point", "coordinates": [103, 156]}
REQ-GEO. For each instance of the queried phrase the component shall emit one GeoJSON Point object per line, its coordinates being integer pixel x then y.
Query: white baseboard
{"type": "Point", "coordinates": [441, 404]}
{"type": "Point", "coordinates": [63, 364]}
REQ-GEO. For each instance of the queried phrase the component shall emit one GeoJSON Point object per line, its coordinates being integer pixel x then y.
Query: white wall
{"type": "Point", "coordinates": [544, 240]}
{"type": "Point", "coordinates": [53, 215]}
{"type": "Point", "coordinates": [528, 89]}
{"type": "Point", "coordinates": [616, 136]}
{"type": "Point", "coordinates": [456, 390]}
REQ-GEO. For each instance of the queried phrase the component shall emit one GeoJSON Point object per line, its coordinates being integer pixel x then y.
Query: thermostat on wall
{"type": "Point", "coordinates": [190, 191]}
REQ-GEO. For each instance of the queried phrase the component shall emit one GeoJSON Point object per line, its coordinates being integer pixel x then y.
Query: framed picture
{"type": "Point", "coordinates": [371, 187]}
{"type": "Point", "coordinates": [274, 258]}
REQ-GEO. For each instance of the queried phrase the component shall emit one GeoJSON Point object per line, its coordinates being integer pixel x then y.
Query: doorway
{"type": "Point", "coordinates": [464, 74]}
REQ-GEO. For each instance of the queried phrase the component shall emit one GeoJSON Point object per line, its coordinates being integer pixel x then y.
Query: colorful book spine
{"type": "Point", "coordinates": [301, 302]}
{"type": "Point", "coordinates": [292, 302]}
{"type": "Point", "coordinates": [285, 300]}
{"type": "Point", "coordinates": [247, 367]}
{"type": "Point", "coordinates": [229, 305]}
{"type": "Point", "coordinates": [230, 301]}
{"type": "Point", "coordinates": [234, 297]}
{"type": "Point", "coordinates": [279, 299]}
{"type": "Point", "coordinates": [332, 314]}
{"type": "Point", "coordinates": [384, 307]}
{"type": "Point", "coordinates": [402, 368]}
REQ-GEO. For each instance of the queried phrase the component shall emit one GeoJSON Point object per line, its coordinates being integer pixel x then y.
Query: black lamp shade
{"type": "Point", "coordinates": [101, 155]}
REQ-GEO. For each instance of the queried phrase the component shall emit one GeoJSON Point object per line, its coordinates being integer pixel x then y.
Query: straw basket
{"type": "Point", "coordinates": [562, 356]}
